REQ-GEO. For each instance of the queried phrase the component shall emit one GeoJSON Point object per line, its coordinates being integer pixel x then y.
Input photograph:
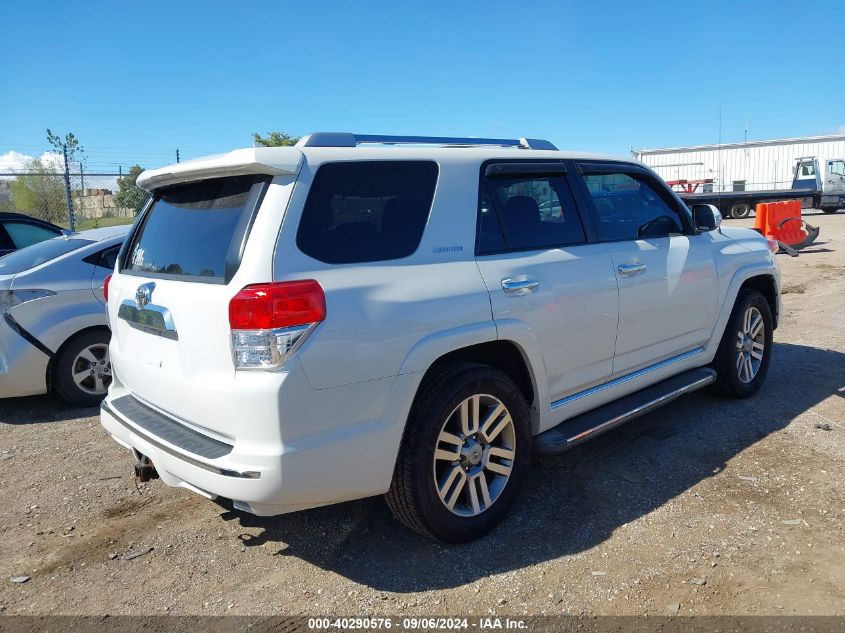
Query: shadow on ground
{"type": "Point", "coordinates": [40, 409]}
{"type": "Point", "coordinates": [570, 503]}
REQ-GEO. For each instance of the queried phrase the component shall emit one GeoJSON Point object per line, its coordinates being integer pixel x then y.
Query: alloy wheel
{"type": "Point", "coordinates": [91, 369]}
{"type": "Point", "coordinates": [750, 345]}
{"type": "Point", "coordinates": [474, 455]}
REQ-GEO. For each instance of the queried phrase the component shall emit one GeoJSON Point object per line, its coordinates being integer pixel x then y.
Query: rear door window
{"type": "Point", "coordinates": [196, 232]}
{"type": "Point", "coordinates": [5, 241]}
{"type": "Point", "coordinates": [534, 211]}
{"type": "Point", "coordinates": [366, 211]}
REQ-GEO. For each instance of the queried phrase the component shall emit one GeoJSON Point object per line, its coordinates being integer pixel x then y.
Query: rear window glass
{"type": "Point", "coordinates": [195, 231]}
{"type": "Point", "coordinates": [366, 211]}
{"type": "Point", "coordinates": [25, 234]}
{"type": "Point", "coordinates": [38, 254]}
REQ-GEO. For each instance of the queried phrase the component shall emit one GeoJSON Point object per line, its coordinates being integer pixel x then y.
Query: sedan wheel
{"type": "Point", "coordinates": [82, 369]}
{"type": "Point", "coordinates": [92, 369]}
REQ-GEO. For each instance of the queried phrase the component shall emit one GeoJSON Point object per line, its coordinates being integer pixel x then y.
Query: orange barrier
{"type": "Point", "coordinates": [784, 223]}
{"type": "Point", "coordinates": [761, 213]}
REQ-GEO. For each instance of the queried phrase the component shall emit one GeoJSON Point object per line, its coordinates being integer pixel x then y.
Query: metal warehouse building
{"type": "Point", "coordinates": [747, 166]}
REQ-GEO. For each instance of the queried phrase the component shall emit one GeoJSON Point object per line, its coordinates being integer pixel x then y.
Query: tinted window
{"type": "Point", "coordinates": [490, 236]}
{"type": "Point", "coordinates": [37, 254]}
{"type": "Point", "coordinates": [366, 211]}
{"type": "Point", "coordinates": [26, 234]}
{"type": "Point", "coordinates": [5, 241]}
{"type": "Point", "coordinates": [105, 258]}
{"type": "Point", "coordinates": [195, 231]}
{"type": "Point", "coordinates": [535, 211]}
{"type": "Point", "coordinates": [629, 208]}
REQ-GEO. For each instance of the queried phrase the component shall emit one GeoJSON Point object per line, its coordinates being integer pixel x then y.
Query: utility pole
{"type": "Point", "coordinates": [67, 189]}
{"type": "Point", "coordinates": [177, 154]}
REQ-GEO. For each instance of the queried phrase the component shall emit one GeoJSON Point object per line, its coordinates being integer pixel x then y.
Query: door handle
{"type": "Point", "coordinates": [519, 287]}
{"type": "Point", "coordinates": [631, 269]}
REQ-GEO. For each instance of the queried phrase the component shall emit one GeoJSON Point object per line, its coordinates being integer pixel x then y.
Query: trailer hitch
{"type": "Point", "coordinates": [144, 469]}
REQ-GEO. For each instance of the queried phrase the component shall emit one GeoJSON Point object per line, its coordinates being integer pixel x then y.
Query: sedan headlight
{"type": "Point", "coordinates": [11, 298]}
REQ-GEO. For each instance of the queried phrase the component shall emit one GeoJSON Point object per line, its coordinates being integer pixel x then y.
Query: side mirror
{"type": "Point", "coordinates": [706, 217]}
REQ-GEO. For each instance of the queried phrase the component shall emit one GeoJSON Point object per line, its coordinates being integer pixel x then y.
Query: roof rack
{"type": "Point", "coordinates": [347, 139]}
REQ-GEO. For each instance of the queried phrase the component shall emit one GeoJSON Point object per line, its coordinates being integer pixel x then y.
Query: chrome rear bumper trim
{"type": "Point", "coordinates": [226, 472]}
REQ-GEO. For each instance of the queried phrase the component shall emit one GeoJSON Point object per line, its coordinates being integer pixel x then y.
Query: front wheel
{"type": "Point", "coordinates": [830, 210]}
{"type": "Point", "coordinates": [745, 351]}
{"type": "Point", "coordinates": [465, 454]}
{"type": "Point", "coordinates": [82, 369]}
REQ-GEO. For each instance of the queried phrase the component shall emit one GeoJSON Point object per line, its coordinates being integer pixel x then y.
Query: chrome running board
{"type": "Point", "coordinates": [587, 425]}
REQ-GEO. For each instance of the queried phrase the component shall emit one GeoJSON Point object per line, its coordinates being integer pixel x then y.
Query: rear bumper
{"type": "Point", "coordinates": [350, 459]}
{"type": "Point", "coordinates": [23, 367]}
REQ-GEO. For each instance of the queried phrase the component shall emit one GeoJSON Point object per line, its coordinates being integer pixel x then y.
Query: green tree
{"type": "Point", "coordinates": [129, 195]}
{"type": "Point", "coordinates": [39, 192]}
{"type": "Point", "coordinates": [274, 139]}
{"type": "Point", "coordinates": [69, 144]}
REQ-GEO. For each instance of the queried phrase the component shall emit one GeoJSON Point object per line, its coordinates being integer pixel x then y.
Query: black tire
{"type": "Point", "coordinates": [830, 210]}
{"type": "Point", "coordinates": [740, 210]}
{"type": "Point", "coordinates": [729, 380]}
{"type": "Point", "coordinates": [413, 496]}
{"type": "Point", "coordinates": [68, 362]}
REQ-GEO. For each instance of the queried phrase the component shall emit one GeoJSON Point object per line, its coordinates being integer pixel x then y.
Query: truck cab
{"type": "Point", "coordinates": [828, 186]}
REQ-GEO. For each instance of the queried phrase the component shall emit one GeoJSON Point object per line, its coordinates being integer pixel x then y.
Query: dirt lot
{"type": "Point", "coordinates": [707, 506]}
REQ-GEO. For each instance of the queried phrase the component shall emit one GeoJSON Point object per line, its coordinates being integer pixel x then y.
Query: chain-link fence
{"type": "Point", "coordinates": [75, 199]}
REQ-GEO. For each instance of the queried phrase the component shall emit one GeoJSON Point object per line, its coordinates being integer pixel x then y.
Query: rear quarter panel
{"type": "Point", "coordinates": [53, 320]}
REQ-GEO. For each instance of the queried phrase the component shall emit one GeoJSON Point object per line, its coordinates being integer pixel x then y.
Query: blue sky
{"type": "Point", "coordinates": [136, 81]}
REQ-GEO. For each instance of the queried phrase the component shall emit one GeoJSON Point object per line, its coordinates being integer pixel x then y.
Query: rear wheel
{"type": "Point", "coordinates": [830, 210]}
{"type": "Point", "coordinates": [82, 369]}
{"type": "Point", "coordinates": [740, 210]}
{"type": "Point", "coordinates": [745, 351]}
{"type": "Point", "coordinates": [464, 456]}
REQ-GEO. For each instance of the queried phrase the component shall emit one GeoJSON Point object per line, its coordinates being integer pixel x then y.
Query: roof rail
{"type": "Point", "coordinates": [347, 139]}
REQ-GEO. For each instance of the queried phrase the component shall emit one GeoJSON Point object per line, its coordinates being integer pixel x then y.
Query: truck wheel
{"type": "Point", "coordinates": [745, 351]}
{"type": "Point", "coordinates": [740, 210]}
{"type": "Point", "coordinates": [465, 453]}
{"type": "Point", "coordinates": [830, 210]}
{"type": "Point", "coordinates": [82, 369]}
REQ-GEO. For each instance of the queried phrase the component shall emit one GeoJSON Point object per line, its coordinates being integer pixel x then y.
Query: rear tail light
{"type": "Point", "coordinates": [270, 322]}
{"type": "Point", "coordinates": [11, 298]}
{"type": "Point", "coordinates": [106, 288]}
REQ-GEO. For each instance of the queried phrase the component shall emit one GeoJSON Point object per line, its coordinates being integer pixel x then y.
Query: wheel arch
{"type": "Point", "coordinates": [750, 277]}
{"type": "Point", "coordinates": [766, 285]}
{"type": "Point", "coordinates": [506, 356]}
{"type": "Point", "coordinates": [51, 365]}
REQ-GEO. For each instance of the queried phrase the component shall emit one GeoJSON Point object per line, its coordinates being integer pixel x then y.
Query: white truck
{"type": "Point", "coordinates": [414, 316]}
{"type": "Point", "coordinates": [815, 188]}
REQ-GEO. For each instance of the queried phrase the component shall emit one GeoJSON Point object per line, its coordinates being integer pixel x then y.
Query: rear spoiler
{"type": "Point", "coordinates": [271, 161]}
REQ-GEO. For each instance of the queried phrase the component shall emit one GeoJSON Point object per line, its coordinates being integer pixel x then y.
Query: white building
{"type": "Point", "coordinates": [747, 166]}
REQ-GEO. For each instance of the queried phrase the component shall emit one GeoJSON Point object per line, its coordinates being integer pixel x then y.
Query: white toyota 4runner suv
{"type": "Point", "coordinates": [358, 315]}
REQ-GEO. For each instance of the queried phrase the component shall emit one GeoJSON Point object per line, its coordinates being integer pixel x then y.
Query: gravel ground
{"type": "Point", "coordinates": [707, 506]}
